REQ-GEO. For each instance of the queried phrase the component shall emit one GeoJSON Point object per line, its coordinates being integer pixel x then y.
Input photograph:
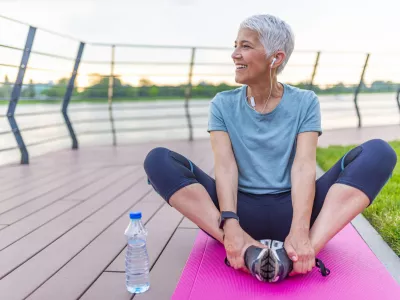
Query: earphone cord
{"type": "Point", "coordinates": [270, 91]}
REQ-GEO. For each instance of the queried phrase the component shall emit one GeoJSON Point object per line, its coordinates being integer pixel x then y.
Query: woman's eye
{"type": "Point", "coordinates": [246, 46]}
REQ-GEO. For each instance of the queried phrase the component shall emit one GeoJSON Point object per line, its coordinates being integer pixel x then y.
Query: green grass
{"type": "Point", "coordinates": [384, 213]}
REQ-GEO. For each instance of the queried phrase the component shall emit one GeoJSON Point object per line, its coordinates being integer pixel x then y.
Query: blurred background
{"type": "Point", "coordinates": [77, 73]}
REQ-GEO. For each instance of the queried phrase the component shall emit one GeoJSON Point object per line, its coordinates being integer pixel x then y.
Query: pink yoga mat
{"type": "Point", "coordinates": [356, 273]}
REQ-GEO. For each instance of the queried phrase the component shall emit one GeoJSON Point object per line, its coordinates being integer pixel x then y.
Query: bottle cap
{"type": "Point", "coordinates": [135, 215]}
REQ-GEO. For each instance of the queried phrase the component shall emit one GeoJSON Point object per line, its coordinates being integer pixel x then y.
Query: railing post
{"type": "Point", "coordinates": [68, 94]}
{"type": "Point", "coordinates": [358, 90]}
{"type": "Point", "coordinates": [314, 71]}
{"type": "Point", "coordinates": [111, 93]}
{"type": "Point", "coordinates": [16, 92]}
{"type": "Point", "coordinates": [188, 95]}
{"type": "Point", "coordinates": [398, 98]}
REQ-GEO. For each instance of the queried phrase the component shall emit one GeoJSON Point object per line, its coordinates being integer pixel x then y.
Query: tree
{"type": "Point", "coordinates": [31, 89]}
{"type": "Point", "coordinates": [145, 82]}
{"type": "Point", "coordinates": [153, 92]}
{"type": "Point", "coordinates": [5, 89]}
{"type": "Point", "coordinates": [58, 90]}
{"type": "Point", "coordinates": [383, 86]}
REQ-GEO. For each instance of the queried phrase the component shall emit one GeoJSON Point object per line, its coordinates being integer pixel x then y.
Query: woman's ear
{"type": "Point", "coordinates": [278, 59]}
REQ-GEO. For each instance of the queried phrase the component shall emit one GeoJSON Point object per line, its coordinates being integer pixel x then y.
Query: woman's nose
{"type": "Point", "coordinates": [236, 54]}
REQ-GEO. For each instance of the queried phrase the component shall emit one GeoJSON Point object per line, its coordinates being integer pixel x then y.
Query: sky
{"type": "Point", "coordinates": [352, 27]}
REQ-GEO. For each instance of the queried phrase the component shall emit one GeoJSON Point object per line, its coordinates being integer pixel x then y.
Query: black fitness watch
{"type": "Point", "coordinates": [225, 215]}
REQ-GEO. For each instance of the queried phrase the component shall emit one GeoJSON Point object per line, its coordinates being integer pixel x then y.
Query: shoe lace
{"type": "Point", "coordinates": [324, 270]}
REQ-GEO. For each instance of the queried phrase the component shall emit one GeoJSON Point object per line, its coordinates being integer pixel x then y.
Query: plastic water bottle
{"type": "Point", "coordinates": [136, 257]}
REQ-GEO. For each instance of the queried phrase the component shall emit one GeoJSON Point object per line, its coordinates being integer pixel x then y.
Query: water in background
{"type": "Point", "coordinates": [337, 112]}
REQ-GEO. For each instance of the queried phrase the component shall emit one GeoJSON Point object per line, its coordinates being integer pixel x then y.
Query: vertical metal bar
{"type": "Point", "coordinates": [398, 98]}
{"type": "Point", "coordinates": [358, 90]}
{"type": "Point", "coordinates": [68, 94]}
{"type": "Point", "coordinates": [314, 70]}
{"type": "Point", "coordinates": [16, 92]}
{"type": "Point", "coordinates": [188, 95]}
{"type": "Point", "coordinates": [111, 93]}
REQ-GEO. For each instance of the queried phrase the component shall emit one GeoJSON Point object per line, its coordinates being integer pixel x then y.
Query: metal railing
{"type": "Point", "coordinates": [186, 89]}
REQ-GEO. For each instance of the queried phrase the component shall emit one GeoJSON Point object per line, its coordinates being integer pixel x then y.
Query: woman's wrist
{"type": "Point", "coordinates": [231, 223]}
{"type": "Point", "coordinates": [299, 229]}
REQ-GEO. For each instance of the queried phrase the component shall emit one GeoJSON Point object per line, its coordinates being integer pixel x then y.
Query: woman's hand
{"type": "Point", "coordinates": [299, 249]}
{"type": "Point", "coordinates": [236, 241]}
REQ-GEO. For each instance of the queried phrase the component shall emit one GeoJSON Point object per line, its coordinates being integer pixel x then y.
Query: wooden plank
{"type": "Point", "coordinates": [52, 188]}
{"type": "Point", "coordinates": [18, 230]}
{"type": "Point", "coordinates": [109, 286]}
{"type": "Point", "coordinates": [23, 206]}
{"type": "Point", "coordinates": [98, 185]}
{"type": "Point", "coordinates": [34, 172]}
{"type": "Point", "coordinates": [33, 206]}
{"type": "Point", "coordinates": [154, 197]}
{"type": "Point", "coordinates": [28, 184]}
{"type": "Point", "coordinates": [62, 250]}
{"type": "Point", "coordinates": [160, 228]}
{"type": "Point", "coordinates": [9, 172]}
{"type": "Point", "coordinates": [166, 272]}
{"type": "Point", "coordinates": [25, 248]}
{"type": "Point", "coordinates": [186, 223]}
{"type": "Point", "coordinates": [9, 183]}
{"type": "Point", "coordinates": [64, 223]}
{"type": "Point", "coordinates": [85, 267]}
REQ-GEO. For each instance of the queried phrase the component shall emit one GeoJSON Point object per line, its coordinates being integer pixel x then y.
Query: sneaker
{"type": "Point", "coordinates": [272, 264]}
{"type": "Point", "coordinates": [268, 264]}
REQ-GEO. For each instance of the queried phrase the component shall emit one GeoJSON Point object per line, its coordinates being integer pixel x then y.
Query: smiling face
{"type": "Point", "coordinates": [250, 58]}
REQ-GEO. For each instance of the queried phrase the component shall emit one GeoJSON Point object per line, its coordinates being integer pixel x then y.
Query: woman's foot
{"type": "Point", "coordinates": [268, 264]}
{"type": "Point", "coordinates": [272, 264]}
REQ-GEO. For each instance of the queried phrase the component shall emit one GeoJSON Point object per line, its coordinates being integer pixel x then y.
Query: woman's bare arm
{"type": "Point", "coordinates": [226, 171]}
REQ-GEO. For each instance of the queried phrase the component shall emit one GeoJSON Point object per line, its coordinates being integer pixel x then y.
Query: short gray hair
{"type": "Point", "coordinates": [274, 34]}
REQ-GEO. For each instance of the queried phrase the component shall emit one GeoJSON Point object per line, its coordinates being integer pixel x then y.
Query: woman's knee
{"type": "Point", "coordinates": [168, 171]}
{"type": "Point", "coordinates": [376, 149]}
{"type": "Point", "coordinates": [382, 151]}
{"type": "Point", "coordinates": [155, 159]}
{"type": "Point", "coordinates": [368, 167]}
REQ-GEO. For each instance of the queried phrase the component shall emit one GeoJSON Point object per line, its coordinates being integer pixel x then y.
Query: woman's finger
{"type": "Point", "coordinates": [303, 267]}
{"type": "Point", "coordinates": [291, 252]}
{"type": "Point", "coordinates": [310, 266]}
{"type": "Point", "coordinates": [234, 263]}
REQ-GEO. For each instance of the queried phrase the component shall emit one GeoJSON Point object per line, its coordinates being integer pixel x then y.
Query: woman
{"type": "Point", "coordinates": [265, 206]}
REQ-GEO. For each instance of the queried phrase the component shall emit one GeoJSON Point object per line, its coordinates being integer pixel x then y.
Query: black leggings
{"type": "Point", "coordinates": [367, 167]}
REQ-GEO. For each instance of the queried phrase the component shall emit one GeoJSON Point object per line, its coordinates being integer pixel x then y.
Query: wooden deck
{"type": "Point", "coordinates": [62, 222]}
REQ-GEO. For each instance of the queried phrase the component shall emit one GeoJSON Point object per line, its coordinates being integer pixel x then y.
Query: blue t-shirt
{"type": "Point", "coordinates": [264, 145]}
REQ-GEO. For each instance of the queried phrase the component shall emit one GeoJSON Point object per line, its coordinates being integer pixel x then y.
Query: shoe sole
{"type": "Point", "coordinates": [267, 266]}
{"type": "Point", "coordinates": [268, 263]}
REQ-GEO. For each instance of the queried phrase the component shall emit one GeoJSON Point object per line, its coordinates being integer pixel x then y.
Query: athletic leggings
{"type": "Point", "coordinates": [366, 167]}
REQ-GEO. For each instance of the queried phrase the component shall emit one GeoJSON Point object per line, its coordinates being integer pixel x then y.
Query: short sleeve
{"type": "Point", "coordinates": [312, 118]}
{"type": "Point", "coordinates": [215, 118]}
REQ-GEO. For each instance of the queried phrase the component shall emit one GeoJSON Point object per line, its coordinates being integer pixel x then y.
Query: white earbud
{"type": "Point", "coordinates": [273, 61]}
{"type": "Point", "coordinates": [252, 102]}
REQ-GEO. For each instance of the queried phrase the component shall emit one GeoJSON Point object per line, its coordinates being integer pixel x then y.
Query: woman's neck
{"type": "Point", "coordinates": [262, 90]}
